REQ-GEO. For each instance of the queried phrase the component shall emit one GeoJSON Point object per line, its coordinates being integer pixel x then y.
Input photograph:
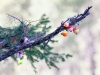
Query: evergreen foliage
{"type": "Point", "coordinates": [13, 35]}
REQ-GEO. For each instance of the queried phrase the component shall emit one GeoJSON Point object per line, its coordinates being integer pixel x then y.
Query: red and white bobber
{"type": "Point", "coordinates": [24, 40]}
{"type": "Point", "coordinates": [65, 24]}
{"type": "Point", "coordinates": [19, 56]}
{"type": "Point", "coordinates": [75, 30]}
{"type": "Point", "coordinates": [70, 28]}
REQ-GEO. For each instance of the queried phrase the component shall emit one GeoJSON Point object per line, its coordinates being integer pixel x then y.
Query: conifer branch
{"type": "Point", "coordinates": [72, 21]}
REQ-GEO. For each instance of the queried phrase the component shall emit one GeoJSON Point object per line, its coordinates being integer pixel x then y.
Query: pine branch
{"type": "Point", "coordinates": [72, 21]}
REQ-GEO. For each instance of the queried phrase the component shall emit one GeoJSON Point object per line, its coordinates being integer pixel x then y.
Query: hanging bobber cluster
{"type": "Point", "coordinates": [20, 56]}
{"type": "Point", "coordinates": [69, 28]}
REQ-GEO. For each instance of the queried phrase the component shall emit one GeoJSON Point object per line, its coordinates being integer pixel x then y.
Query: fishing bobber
{"type": "Point", "coordinates": [19, 54]}
{"type": "Point", "coordinates": [70, 28]}
{"type": "Point", "coordinates": [64, 33]}
{"type": "Point", "coordinates": [75, 30]}
{"type": "Point", "coordinates": [65, 24]}
{"type": "Point", "coordinates": [24, 40]}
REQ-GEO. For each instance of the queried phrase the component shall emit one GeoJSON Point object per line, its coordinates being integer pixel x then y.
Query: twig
{"type": "Point", "coordinates": [46, 43]}
{"type": "Point", "coordinates": [15, 18]}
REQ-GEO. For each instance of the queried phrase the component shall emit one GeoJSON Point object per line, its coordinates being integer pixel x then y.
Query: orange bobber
{"type": "Point", "coordinates": [64, 33]}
